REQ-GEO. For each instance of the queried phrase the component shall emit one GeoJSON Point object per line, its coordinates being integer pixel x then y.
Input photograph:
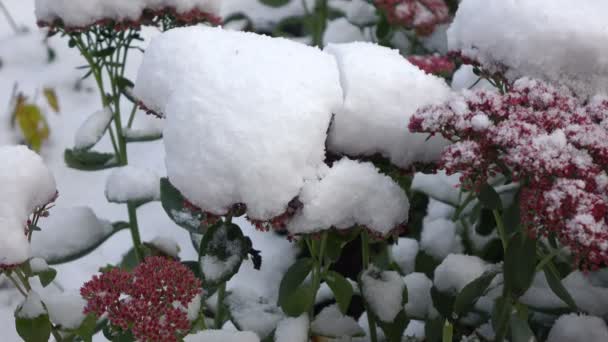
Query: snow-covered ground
{"type": "Point", "coordinates": [24, 61]}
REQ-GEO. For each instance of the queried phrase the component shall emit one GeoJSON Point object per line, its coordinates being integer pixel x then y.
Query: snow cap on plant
{"type": "Point", "coordinates": [79, 16]}
{"type": "Point", "coordinates": [225, 143]}
{"type": "Point", "coordinates": [151, 301]}
{"type": "Point", "coordinates": [543, 136]}
{"type": "Point", "coordinates": [420, 15]}
{"type": "Point", "coordinates": [27, 185]}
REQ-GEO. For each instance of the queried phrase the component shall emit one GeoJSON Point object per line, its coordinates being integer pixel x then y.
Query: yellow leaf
{"type": "Point", "coordinates": [51, 98]}
{"type": "Point", "coordinates": [33, 125]}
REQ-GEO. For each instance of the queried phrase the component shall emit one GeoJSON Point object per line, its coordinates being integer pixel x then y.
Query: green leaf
{"type": "Point", "coordinates": [295, 298]}
{"type": "Point", "coordinates": [511, 218]}
{"type": "Point", "coordinates": [36, 329]}
{"type": "Point", "coordinates": [426, 264]}
{"type": "Point", "coordinates": [336, 242]}
{"type": "Point", "coordinates": [174, 202]}
{"type": "Point", "coordinates": [124, 82]}
{"type": "Point", "coordinates": [467, 297]}
{"type": "Point", "coordinates": [433, 329]}
{"type": "Point", "coordinates": [501, 316]}
{"type": "Point", "coordinates": [520, 264]}
{"type": "Point", "coordinates": [520, 330]}
{"type": "Point", "coordinates": [395, 329]}
{"type": "Point", "coordinates": [443, 302]}
{"type": "Point", "coordinates": [90, 160]}
{"type": "Point", "coordinates": [557, 287]}
{"type": "Point", "coordinates": [144, 138]}
{"type": "Point", "coordinates": [342, 289]}
{"type": "Point", "coordinates": [275, 3]}
{"type": "Point", "coordinates": [486, 223]}
{"type": "Point", "coordinates": [47, 277]}
{"type": "Point", "coordinates": [489, 198]}
{"type": "Point", "coordinates": [88, 327]}
{"type": "Point", "coordinates": [224, 246]}
{"type": "Point", "coordinates": [104, 52]}
{"type": "Point", "coordinates": [383, 28]}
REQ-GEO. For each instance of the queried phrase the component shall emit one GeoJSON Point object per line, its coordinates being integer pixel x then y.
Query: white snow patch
{"type": "Point", "coordinates": [383, 291]}
{"type": "Point", "coordinates": [92, 129]}
{"type": "Point", "coordinates": [31, 307]}
{"type": "Point", "coordinates": [378, 103]}
{"type": "Point", "coordinates": [456, 271]}
{"type": "Point", "coordinates": [419, 304]}
{"type": "Point", "coordinates": [331, 322]}
{"type": "Point", "coordinates": [292, 329]}
{"type": "Point", "coordinates": [578, 328]}
{"type": "Point", "coordinates": [166, 245]}
{"type": "Point", "coordinates": [253, 313]}
{"type": "Point", "coordinates": [222, 336]}
{"type": "Point", "coordinates": [66, 309]}
{"type": "Point", "coordinates": [131, 183]}
{"type": "Point", "coordinates": [440, 237]}
{"type": "Point", "coordinates": [38, 265]}
{"type": "Point", "coordinates": [351, 193]}
{"type": "Point", "coordinates": [404, 253]}
{"type": "Point", "coordinates": [26, 184]}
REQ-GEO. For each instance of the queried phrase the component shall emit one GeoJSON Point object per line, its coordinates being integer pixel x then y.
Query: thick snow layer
{"type": "Point", "coordinates": [92, 129]}
{"type": "Point", "coordinates": [558, 40]}
{"type": "Point", "coordinates": [404, 254]}
{"type": "Point", "coordinates": [166, 245]}
{"type": "Point", "coordinates": [26, 183]}
{"type": "Point", "coordinates": [253, 313]}
{"type": "Point", "coordinates": [383, 291]}
{"type": "Point", "coordinates": [456, 271]}
{"type": "Point", "coordinates": [31, 307]}
{"type": "Point", "coordinates": [331, 322]}
{"type": "Point", "coordinates": [351, 193]}
{"type": "Point", "coordinates": [292, 329]}
{"type": "Point", "coordinates": [236, 145]}
{"type": "Point", "coordinates": [578, 328]}
{"type": "Point", "coordinates": [440, 237]}
{"type": "Point", "coordinates": [66, 309]}
{"type": "Point", "coordinates": [222, 336]}
{"type": "Point", "coordinates": [131, 183]}
{"type": "Point", "coordinates": [419, 302]}
{"type": "Point", "coordinates": [588, 297]}
{"type": "Point", "coordinates": [87, 12]}
{"type": "Point", "coordinates": [80, 224]}
{"type": "Point", "coordinates": [378, 102]}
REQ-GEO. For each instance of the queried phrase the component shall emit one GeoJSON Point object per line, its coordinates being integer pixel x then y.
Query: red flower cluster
{"type": "Point", "coordinates": [543, 136]}
{"type": "Point", "coordinates": [420, 15]}
{"type": "Point", "coordinates": [433, 64]}
{"type": "Point", "coordinates": [151, 301]}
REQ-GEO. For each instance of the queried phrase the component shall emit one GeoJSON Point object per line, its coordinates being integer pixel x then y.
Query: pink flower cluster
{"type": "Point", "coordinates": [433, 64]}
{"type": "Point", "coordinates": [541, 135]}
{"type": "Point", "coordinates": [420, 15]}
{"type": "Point", "coordinates": [151, 301]}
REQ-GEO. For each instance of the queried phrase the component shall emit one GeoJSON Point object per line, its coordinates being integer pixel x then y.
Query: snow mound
{"type": "Point", "coordinates": [92, 129]}
{"type": "Point", "coordinates": [331, 322]}
{"type": "Point", "coordinates": [26, 184]}
{"type": "Point", "coordinates": [378, 102]}
{"type": "Point", "coordinates": [575, 328]}
{"type": "Point", "coordinates": [83, 13]}
{"type": "Point", "coordinates": [66, 309]}
{"type": "Point", "coordinates": [404, 254]}
{"type": "Point", "coordinates": [237, 145]}
{"type": "Point", "coordinates": [383, 291]}
{"type": "Point", "coordinates": [558, 40]}
{"type": "Point", "coordinates": [31, 307]}
{"type": "Point", "coordinates": [440, 237]}
{"type": "Point", "coordinates": [132, 184]}
{"type": "Point", "coordinates": [456, 271]}
{"type": "Point", "coordinates": [292, 329]}
{"type": "Point", "coordinates": [351, 193]}
{"type": "Point", "coordinates": [420, 303]}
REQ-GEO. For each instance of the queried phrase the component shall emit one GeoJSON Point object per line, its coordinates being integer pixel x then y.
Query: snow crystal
{"type": "Point", "coordinates": [558, 40]}
{"type": "Point", "coordinates": [331, 322]}
{"type": "Point", "coordinates": [578, 328]}
{"type": "Point", "coordinates": [292, 329]}
{"type": "Point", "coordinates": [26, 184]}
{"type": "Point", "coordinates": [222, 336]}
{"type": "Point", "coordinates": [419, 304]}
{"type": "Point", "coordinates": [87, 12]}
{"type": "Point", "coordinates": [38, 265]}
{"type": "Point", "coordinates": [31, 307]}
{"type": "Point", "coordinates": [92, 129]}
{"type": "Point", "coordinates": [383, 291]}
{"type": "Point", "coordinates": [378, 103]}
{"type": "Point", "coordinates": [456, 271]}
{"type": "Point", "coordinates": [131, 183]}
{"type": "Point", "coordinates": [80, 224]}
{"type": "Point", "coordinates": [166, 245]}
{"type": "Point", "coordinates": [66, 309]}
{"type": "Point", "coordinates": [351, 193]}
{"type": "Point", "coordinates": [236, 145]}
{"type": "Point", "coordinates": [439, 238]}
{"type": "Point", "coordinates": [254, 313]}
{"type": "Point", "coordinates": [404, 254]}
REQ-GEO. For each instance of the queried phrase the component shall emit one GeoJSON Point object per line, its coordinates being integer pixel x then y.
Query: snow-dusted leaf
{"type": "Point", "coordinates": [253, 313]}
{"type": "Point", "coordinates": [132, 184]}
{"type": "Point", "coordinates": [32, 320]}
{"type": "Point", "coordinates": [342, 289]}
{"type": "Point", "coordinates": [89, 160]}
{"type": "Point", "coordinates": [174, 203]}
{"type": "Point", "coordinates": [330, 322]}
{"type": "Point", "coordinates": [295, 297]}
{"type": "Point", "coordinates": [71, 233]}
{"type": "Point", "coordinates": [92, 129]}
{"type": "Point", "coordinates": [222, 251]}
{"type": "Point", "coordinates": [384, 292]}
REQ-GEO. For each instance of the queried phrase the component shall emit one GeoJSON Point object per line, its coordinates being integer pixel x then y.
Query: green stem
{"type": "Point", "coordinates": [448, 332]}
{"type": "Point", "coordinates": [23, 279]}
{"type": "Point", "coordinates": [132, 116]}
{"type": "Point", "coordinates": [219, 316]}
{"type": "Point", "coordinates": [134, 228]}
{"type": "Point", "coordinates": [16, 284]}
{"type": "Point", "coordinates": [56, 335]}
{"type": "Point", "coordinates": [320, 14]}
{"type": "Point", "coordinates": [462, 207]}
{"type": "Point", "coordinates": [371, 322]}
{"type": "Point", "coordinates": [501, 229]}
{"type": "Point", "coordinates": [545, 258]}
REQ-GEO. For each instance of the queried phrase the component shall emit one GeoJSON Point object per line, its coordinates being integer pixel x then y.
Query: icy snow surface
{"type": "Point", "coordinates": [558, 40]}
{"type": "Point", "coordinates": [82, 13]}
{"type": "Point", "coordinates": [378, 103]}
{"type": "Point", "coordinates": [131, 183]}
{"type": "Point", "coordinates": [240, 146]}
{"type": "Point", "coordinates": [351, 193]}
{"type": "Point", "coordinates": [26, 183]}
